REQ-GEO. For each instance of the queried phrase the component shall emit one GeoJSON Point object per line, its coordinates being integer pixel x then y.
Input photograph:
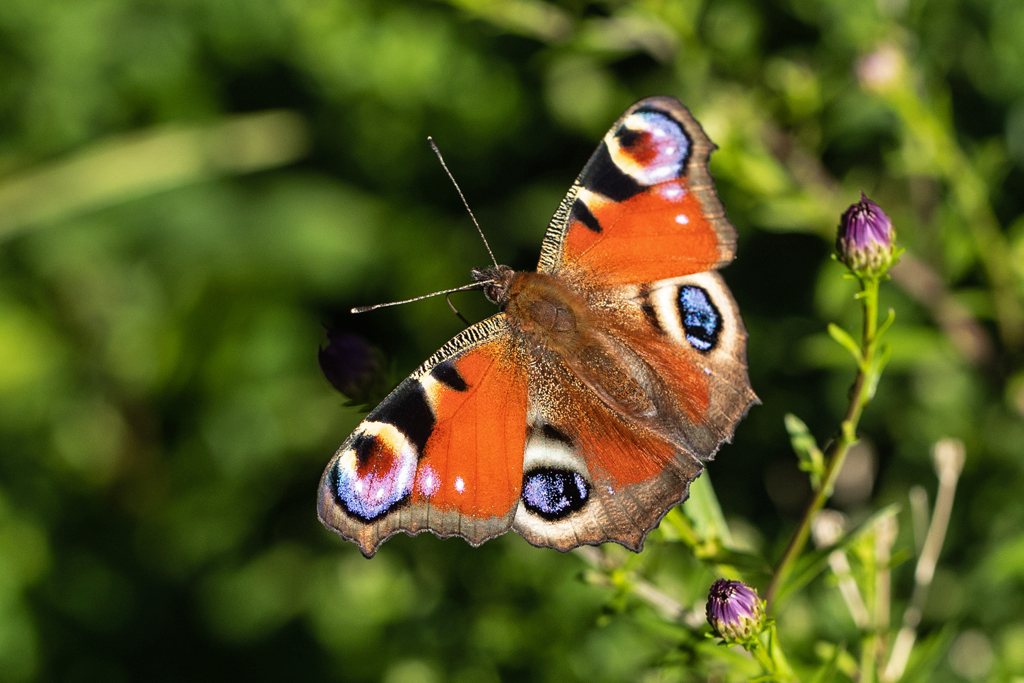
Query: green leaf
{"type": "Point", "coordinates": [812, 460]}
{"type": "Point", "coordinates": [808, 567]}
{"type": "Point", "coordinates": [837, 659]}
{"type": "Point", "coordinates": [742, 561]}
{"type": "Point", "coordinates": [927, 655]}
{"type": "Point", "coordinates": [846, 341]}
{"type": "Point", "coordinates": [699, 524]}
{"type": "Point", "coordinates": [704, 511]}
{"type": "Point", "coordinates": [676, 526]}
{"type": "Point", "coordinates": [900, 556]}
{"type": "Point", "coordinates": [878, 366]}
{"type": "Point", "coordinates": [886, 324]}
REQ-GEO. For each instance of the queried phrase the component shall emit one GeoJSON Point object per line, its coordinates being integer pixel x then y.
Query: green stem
{"type": "Point", "coordinates": [770, 656]}
{"type": "Point", "coordinates": [860, 394]}
{"type": "Point", "coordinates": [869, 292]}
{"type": "Point", "coordinates": [782, 668]}
{"type": "Point", "coordinates": [869, 642]}
{"type": "Point", "coordinates": [763, 658]}
{"type": "Point", "coordinates": [869, 650]}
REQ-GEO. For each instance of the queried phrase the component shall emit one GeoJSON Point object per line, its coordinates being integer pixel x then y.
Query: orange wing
{"type": "Point", "coordinates": [444, 452]}
{"type": "Point", "coordinates": [644, 208]}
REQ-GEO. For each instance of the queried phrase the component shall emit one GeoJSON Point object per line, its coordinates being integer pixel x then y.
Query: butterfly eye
{"type": "Point", "coordinates": [554, 493]}
{"type": "Point", "coordinates": [701, 319]}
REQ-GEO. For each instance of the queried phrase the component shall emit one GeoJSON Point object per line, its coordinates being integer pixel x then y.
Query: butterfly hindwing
{"type": "Point", "coordinates": [591, 475]}
{"type": "Point", "coordinates": [443, 452]}
{"type": "Point", "coordinates": [644, 208]}
{"type": "Point", "coordinates": [595, 473]}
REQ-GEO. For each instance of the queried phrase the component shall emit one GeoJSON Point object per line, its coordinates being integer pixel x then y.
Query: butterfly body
{"type": "Point", "coordinates": [582, 410]}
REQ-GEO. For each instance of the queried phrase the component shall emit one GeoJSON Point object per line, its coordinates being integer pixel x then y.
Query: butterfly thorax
{"type": "Point", "coordinates": [536, 303]}
{"type": "Point", "coordinates": [560, 327]}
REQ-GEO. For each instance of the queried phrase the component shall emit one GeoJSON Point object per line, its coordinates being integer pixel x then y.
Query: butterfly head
{"type": "Point", "coordinates": [495, 282]}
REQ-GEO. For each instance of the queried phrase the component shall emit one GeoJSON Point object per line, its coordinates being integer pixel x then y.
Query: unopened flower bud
{"type": "Point", "coordinates": [352, 366]}
{"type": "Point", "coordinates": [866, 243]}
{"type": "Point", "coordinates": [734, 611]}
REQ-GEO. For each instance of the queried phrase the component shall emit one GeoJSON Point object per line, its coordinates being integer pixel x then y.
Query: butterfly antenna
{"type": "Point", "coordinates": [464, 202]}
{"type": "Point", "coordinates": [463, 288]}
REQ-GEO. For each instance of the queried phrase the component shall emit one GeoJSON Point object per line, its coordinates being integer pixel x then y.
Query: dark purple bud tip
{"type": "Point", "coordinates": [866, 240]}
{"type": "Point", "coordinates": [734, 611]}
{"type": "Point", "coordinates": [350, 364]}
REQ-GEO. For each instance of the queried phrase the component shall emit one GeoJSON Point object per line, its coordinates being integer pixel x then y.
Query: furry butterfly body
{"type": "Point", "coordinates": [581, 412]}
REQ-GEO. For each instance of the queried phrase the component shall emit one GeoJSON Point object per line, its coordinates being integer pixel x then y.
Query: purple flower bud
{"type": "Point", "coordinates": [866, 239]}
{"type": "Point", "coordinates": [351, 365]}
{"type": "Point", "coordinates": [734, 611]}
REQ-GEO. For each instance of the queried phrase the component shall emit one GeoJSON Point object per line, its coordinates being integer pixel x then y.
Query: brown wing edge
{"type": "Point", "coordinates": [408, 518]}
{"type": "Point", "coordinates": [635, 539]}
{"type": "Point", "coordinates": [696, 170]}
{"type": "Point", "coordinates": [626, 517]}
{"type": "Point", "coordinates": [732, 395]}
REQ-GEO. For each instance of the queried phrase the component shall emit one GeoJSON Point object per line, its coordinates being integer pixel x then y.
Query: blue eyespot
{"type": "Point", "coordinates": [375, 473]}
{"type": "Point", "coordinates": [656, 142]}
{"type": "Point", "coordinates": [701, 320]}
{"type": "Point", "coordinates": [554, 494]}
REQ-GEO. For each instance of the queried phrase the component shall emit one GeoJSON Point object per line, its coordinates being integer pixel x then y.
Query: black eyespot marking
{"type": "Point", "coordinates": [449, 376]}
{"type": "Point", "coordinates": [628, 137]}
{"type": "Point", "coordinates": [701, 319]}
{"type": "Point", "coordinates": [554, 494]}
{"type": "Point", "coordinates": [363, 446]}
{"type": "Point", "coordinates": [651, 109]}
{"type": "Point", "coordinates": [581, 213]}
{"type": "Point", "coordinates": [409, 411]}
{"type": "Point", "coordinates": [604, 177]}
{"type": "Point", "coordinates": [553, 434]}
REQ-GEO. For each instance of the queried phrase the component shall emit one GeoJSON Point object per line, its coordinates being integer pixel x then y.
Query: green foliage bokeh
{"type": "Point", "coordinates": [190, 189]}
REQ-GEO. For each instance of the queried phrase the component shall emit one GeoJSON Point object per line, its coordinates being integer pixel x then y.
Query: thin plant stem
{"type": "Point", "coordinates": [781, 665]}
{"type": "Point", "coordinates": [770, 656]}
{"type": "Point", "coordinates": [885, 537]}
{"type": "Point", "coordinates": [668, 606]}
{"type": "Point", "coordinates": [848, 588]}
{"type": "Point", "coordinates": [861, 392]}
{"type": "Point", "coordinates": [949, 461]}
{"type": "Point", "coordinates": [869, 641]}
{"type": "Point", "coordinates": [760, 653]}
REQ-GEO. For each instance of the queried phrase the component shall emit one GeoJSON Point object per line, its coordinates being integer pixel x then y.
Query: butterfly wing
{"type": "Point", "coordinates": [644, 208]}
{"type": "Point", "coordinates": [494, 431]}
{"type": "Point", "coordinates": [638, 236]}
{"type": "Point", "coordinates": [443, 452]}
{"type": "Point", "coordinates": [595, 473]}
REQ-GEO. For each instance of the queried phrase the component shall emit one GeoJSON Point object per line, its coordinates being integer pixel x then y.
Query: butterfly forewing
{"type": "Point", "coordinates": [644, 208]}
{"type": "Point", "coordinates": [443, 452]}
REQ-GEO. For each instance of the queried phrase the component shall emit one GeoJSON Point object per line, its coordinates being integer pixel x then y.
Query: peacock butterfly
{"type": "Point", "coordinates": [583, 409]}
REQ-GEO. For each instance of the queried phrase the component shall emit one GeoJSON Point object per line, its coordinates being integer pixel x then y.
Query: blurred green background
{"type": "Point", "coordinates": [190, 189]}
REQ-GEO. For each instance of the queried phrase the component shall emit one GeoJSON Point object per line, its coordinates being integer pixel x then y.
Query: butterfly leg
{"type": "Point", "coordinates": [448, 298]}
